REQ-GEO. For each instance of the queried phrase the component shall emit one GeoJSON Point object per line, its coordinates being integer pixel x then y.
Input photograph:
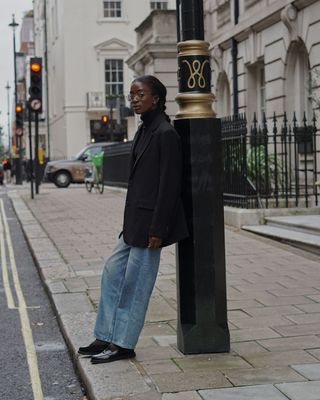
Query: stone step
{"type": "Point", "coordinates": [305, 241]}
{"type": "Point", "coordinates": [300, 223]}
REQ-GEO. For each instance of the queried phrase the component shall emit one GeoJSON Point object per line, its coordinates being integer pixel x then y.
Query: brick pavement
{"type": "Point", "coordinates": [273, 308]}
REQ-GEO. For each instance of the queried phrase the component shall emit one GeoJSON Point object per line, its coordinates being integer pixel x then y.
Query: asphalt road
{"type": "Point", "coordinates": [34, 360]}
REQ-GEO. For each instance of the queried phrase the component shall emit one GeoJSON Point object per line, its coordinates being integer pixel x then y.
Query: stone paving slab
{"type": "Point", "coordinates": [301, 390]}
{"type": "Point", "coordinates": [256, 376]}
{"type": "Point", "coordinates": [181, 396]}
{"type": "Point", "coordinates": [72, 303]}
{"type": "Point", "coordinates": [179, 381]}
{"type": "Point", "coordinates": [279, 358]}
{"type": "Point", "coordinates": [214, 362]}
{"type": "Point", "coordinates": [261, 392]}
{"type": "Point", "coordinates": [315, 353]}
{"type": "Point", "coordinates": [309, 371]}
{"type": "Point", "coordinates": [273, 303]}
{"type": "Point", "coordinates": [243, 335]}
{"type": "Point", "coordinates": [292, 343]}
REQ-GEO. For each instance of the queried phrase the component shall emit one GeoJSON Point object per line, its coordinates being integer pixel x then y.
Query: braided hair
{"type": "Point", "coordinates": [157, 88]}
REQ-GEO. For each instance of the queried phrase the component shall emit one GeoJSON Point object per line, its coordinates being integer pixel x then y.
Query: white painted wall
{"type": "Point", "coordinates": [79, 40]}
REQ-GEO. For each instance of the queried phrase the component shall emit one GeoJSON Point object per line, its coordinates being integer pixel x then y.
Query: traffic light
{"type": "Point", "coordinates": [19, 119]}
{"type": "Point", "coordinates": [35, 90]}
{"type": "Point", "coordinates": [105, 119]}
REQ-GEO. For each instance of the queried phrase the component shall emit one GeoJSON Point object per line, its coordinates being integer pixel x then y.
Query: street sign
{"type": "Point", "coordinates": [35, 104]}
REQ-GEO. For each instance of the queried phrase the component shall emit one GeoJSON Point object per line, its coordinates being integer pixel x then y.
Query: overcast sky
{"type": "Point", "coordinates": [9, 7]}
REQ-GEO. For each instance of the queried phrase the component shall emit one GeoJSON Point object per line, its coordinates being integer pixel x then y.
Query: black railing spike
{"type": "Point", "coordinates": [304, 119]}
{"type": "Point", "coordinates": [270, 170]}
{"type": "Point", "coordinates": [264, 118]}
{"type": "Point", "coordinates": [255, 118]}
{"type": "Point", "coordinates": [275, 130]}
{"type": "Point", "coordinates": [264, 125]}
{"type": "Point", "coordinates": [294, 119]}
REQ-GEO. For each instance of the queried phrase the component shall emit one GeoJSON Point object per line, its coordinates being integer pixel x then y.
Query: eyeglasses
{"type": "Point", "coordinates": [139, 93]}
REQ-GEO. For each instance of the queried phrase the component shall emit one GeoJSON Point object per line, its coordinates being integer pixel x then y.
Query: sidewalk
{"type": "Point", "coordinates": [273, 303]}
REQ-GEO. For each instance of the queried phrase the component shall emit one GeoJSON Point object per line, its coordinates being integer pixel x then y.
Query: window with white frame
{"type": "Point", "coordinates": [113, 78]}
{"type": "Point", "coordinates": [159, 5]}
{"type": "Point", "coordinates": [112, 9]}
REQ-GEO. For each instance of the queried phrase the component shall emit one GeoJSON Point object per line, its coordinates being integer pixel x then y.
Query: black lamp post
{"type": "Point", "coordinates": [202, 311]}
{"type": "Point", "coordinates": [18, 168]}
{"type": "Point", "coordinates": [8, 113]}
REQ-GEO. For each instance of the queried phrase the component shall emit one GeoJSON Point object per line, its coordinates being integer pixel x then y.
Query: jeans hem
{"type": "Point", "coordinates": [117, 343]}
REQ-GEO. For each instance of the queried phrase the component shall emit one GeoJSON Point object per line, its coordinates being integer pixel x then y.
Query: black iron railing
{"type": "Point", "coordinates": [274, 164]}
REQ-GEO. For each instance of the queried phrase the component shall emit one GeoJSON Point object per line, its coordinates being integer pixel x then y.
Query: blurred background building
{"type": "Point", "coordinates": [265, 59]}
{"type": "Point", "coordinates": [85, 46]}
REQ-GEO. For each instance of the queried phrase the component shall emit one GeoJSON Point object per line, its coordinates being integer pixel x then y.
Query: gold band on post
{"type": "Point", "coordinates": [195, 105]}
{"type": "Point", "coordinates": [193, 48]}
{"type": "Point", "coordinates": [194, 75]}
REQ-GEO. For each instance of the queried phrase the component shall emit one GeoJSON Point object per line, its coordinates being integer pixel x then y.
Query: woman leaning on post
{"type": "Point", "coordinates": [153, 218]}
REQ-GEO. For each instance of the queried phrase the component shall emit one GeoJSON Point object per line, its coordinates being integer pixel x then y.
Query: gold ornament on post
{"type": "Point", "coordinates": [194, 76]}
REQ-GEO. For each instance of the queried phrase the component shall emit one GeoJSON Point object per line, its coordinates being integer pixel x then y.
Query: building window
{"type": "Point", "coordinates": [223, 13]}
{"type": "Point", "coordinates": [262, 91]}
{"type": "Point", "coordinates": [112, 9]}
{"type": "Point", "coordinates": [256, 91]}
{"type": "Point", "coordinates": [298, 84]}
{"type": "Point", "coordinates": [114, 78]}
{"type": "Point", "coordinates": [159, 5]}
{"type": "Point", "coordinates": [223, 96]}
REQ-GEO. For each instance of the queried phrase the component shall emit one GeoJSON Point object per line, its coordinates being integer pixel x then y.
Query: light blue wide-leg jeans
{"type": "Point", "coordinates": [127, 281]}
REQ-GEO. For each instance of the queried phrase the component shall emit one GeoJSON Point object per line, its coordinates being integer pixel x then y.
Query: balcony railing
{"type": "Point", "coordinates": [96, 101]}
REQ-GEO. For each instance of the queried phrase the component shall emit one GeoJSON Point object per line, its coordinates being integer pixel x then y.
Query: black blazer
{"type": "Point", "coordinates": [153, 204]}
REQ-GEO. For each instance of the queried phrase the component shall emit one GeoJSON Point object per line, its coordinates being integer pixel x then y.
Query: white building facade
{"type": "Point", "coordinates": [278, 56]}
{"type": "Point", "coordinates": [87, 46]}
{"type": "Point", "coordinates": [94, 51]}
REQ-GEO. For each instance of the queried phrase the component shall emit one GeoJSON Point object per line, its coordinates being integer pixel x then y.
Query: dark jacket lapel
{"type": "Point", "coordinates": [153, 126]}
{"type": "Point", "coordinates": [135, 141]}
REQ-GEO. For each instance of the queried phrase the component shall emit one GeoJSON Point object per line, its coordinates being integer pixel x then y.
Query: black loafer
{"type": "Point", "coordinates": [113, 353]}
{"type": "Point", "coordinates": [93, 348]}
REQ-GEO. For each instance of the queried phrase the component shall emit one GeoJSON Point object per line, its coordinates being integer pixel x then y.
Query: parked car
{"type": "Point", "coordinates": [64, 172]}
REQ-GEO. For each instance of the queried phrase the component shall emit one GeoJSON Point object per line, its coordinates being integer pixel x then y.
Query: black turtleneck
{"type": "Point", "coordinates": [147, 119]}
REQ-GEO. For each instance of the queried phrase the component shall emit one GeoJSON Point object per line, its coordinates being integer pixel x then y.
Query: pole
{"type": "Point", "coordinates": [36, 151]}
{"type": "Point", "coordinates": [30, 155]}
{"type": "Point", "coordinates": [202, 309]}
{"type": "Point", "coordinates": [46, 77]}
{"type": "Point", "coordinates": [18, 169]}
{"type": "Point", "coordinates": [234, 53]}
{"type": "Point", "coordinates": [8, 113]}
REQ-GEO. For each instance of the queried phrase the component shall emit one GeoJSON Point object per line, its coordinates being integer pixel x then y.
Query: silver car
{"type": "Point", "coordinates": [64, 172]}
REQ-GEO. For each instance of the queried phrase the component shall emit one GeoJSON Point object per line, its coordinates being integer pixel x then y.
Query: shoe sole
{"type": "Point", "coordinates": [121, 357]}
{"type": "Point", "coordinates": [91, 353]}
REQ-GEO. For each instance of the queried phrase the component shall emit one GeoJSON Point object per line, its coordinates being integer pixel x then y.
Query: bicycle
{"type": "Point", "coordinates": [94, 178]}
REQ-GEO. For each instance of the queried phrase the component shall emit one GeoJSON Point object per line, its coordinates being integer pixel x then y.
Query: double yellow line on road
{"type": "Point", "coordinates": [22, 307]}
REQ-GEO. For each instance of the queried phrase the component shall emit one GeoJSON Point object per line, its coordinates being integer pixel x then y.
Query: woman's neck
{"type": "Point", "coordinates": [149, 116]}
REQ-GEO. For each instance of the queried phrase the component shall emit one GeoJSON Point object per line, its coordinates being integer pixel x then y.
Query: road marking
{"type": "Point", "coordinates": [5, 275]}
{"type": "Point", "coordinates": [24, 318]}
